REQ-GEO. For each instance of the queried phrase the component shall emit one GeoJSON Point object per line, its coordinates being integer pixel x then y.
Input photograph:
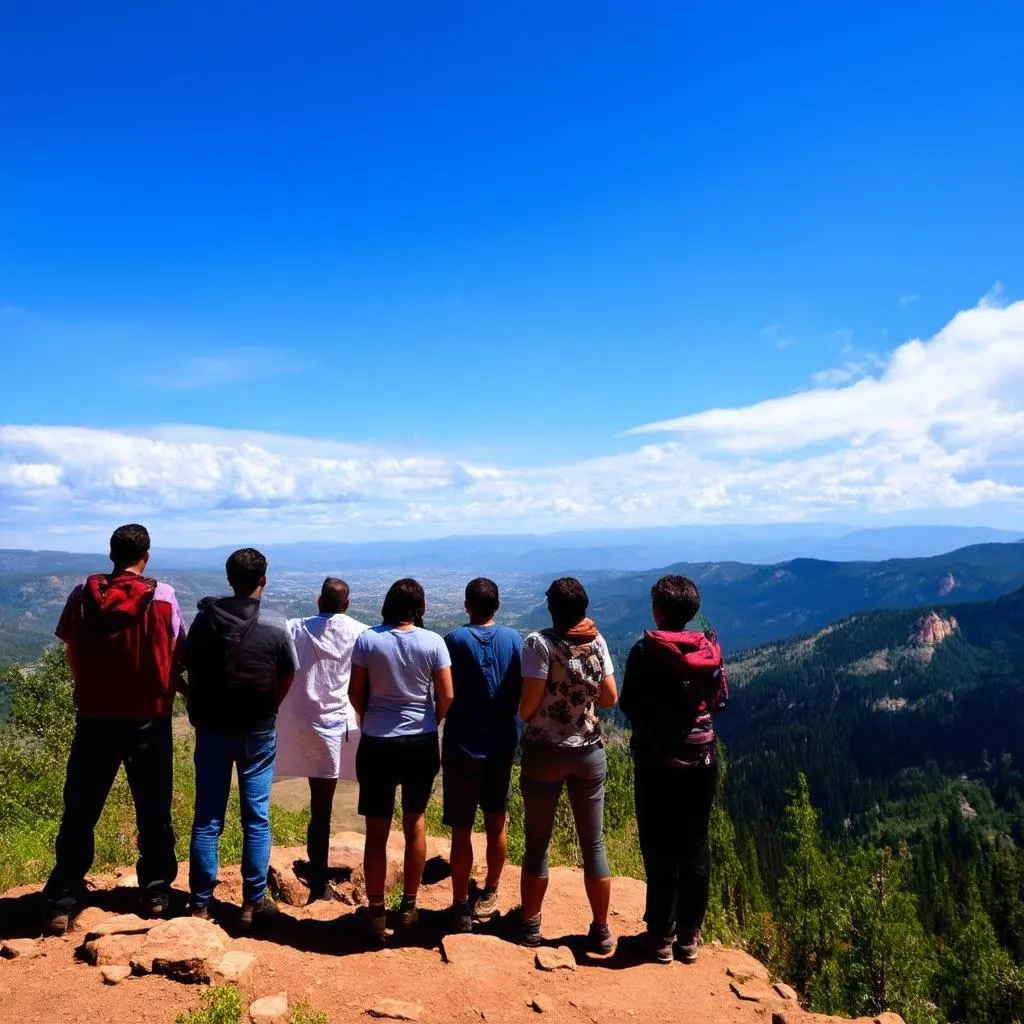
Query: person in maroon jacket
{"type": "Point", "coordinates": [674, 683]}
{"type": "Point", "coordinates": [123, 633]}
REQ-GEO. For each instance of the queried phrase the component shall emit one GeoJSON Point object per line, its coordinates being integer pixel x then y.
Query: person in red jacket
{"type": "Point", "coordinates": [123, 633]}
{"type": "Point", "coordinates": [674, 683]}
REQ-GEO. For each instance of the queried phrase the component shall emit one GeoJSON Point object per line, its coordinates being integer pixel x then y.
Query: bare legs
{"type": "Point", "coordinates": [462, 855]}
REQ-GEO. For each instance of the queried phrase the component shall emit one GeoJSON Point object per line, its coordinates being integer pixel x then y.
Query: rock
{"type": "Point", "coordinates": [285, 885]}
{"type": "Point", "coordinates": [345, 858]}
{"type": "Point", "coordinates": [889, 1018]}
{"type": "Point", "coordinates": [785, 991]}
{"type": "Point", "coordinates": [395, 1009]}
{"type": "Point", "coordinates": [120, 924]}
{"type": "Point", "coordinates": [113, 974]}
{"type": "Point", "coordinates": [560, 959]}
{"type": "Point", "coordinates": [89, 918]}
{"type": "Point", "coordinates": [473, 950]}
{"type": "Point", "coordinates": [753, 991]}
{"type": "Point", "coordinates": [127, 879]}
{"type": "Point", "coordinates": [185, 949]}
{"type": "Point", "coordinates": [541, 1004]}
{"type": "Point", "coordinates": [269, 1008]}
{"type": "Point", "coordinates": [745, 968]}
{"type": "Point", "coordinates": [111, 950]}
{"type": "Point", "coordinates": [21, 949]}
{"type": "Point", "coordinates": [233, 967]}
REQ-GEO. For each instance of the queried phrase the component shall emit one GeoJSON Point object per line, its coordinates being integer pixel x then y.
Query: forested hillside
{"type": "Point", "coordinates": [753, 604]}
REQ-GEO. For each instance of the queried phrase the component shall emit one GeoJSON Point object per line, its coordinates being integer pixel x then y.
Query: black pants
{"type": "Point", "coordinates": [673, 809]}
{"type": "Point", "coordinates": [99, 748]}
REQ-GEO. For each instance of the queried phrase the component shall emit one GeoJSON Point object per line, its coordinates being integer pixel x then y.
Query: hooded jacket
{"type": "Point", "coordinates": [124, 635]}
{"type": "Point", "coordinates": [240, 660]}
{"type": "Point", "coordinates": [674, 682]}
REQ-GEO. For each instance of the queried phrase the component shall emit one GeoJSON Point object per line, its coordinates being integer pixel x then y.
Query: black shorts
{"type": "Point", "coordinates": [470, 783]}
{"type": "Point", "coordinates": [384, 764]}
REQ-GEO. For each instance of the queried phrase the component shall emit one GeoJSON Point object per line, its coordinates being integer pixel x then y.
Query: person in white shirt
{"type": "Point", "coordinates": [317, 730]}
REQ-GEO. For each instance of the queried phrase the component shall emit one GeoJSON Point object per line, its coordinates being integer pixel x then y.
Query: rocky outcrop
{"type": "Point", "coordinates": [932, 629]}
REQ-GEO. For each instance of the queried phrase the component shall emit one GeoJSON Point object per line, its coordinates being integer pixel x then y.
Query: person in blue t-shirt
{"type": "Point", "coordinates": [479, 745]}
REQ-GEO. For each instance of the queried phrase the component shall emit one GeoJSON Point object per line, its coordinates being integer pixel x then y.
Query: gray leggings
{"type": "Point", "coordinates": [544, 771]}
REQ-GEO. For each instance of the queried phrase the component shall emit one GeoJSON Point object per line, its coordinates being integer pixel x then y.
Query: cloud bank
{"type": "Point", "coordinates": [938, 424]}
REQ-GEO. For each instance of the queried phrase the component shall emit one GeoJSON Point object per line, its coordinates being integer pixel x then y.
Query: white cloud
{"type": "Point", "coordinates": [935, 424]}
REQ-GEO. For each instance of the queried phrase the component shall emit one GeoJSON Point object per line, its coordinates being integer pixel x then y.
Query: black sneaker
{"type": "Point", "coordinates": [646, 946]}
{"type": "Point", "coordinates": [687, 948]}
{"type": "Point", "coordinates": [529, 931]}
{"type": "Point", "coordinates": [154, 904]}
{"type": "Point", "coordinates": [460, 920]}
{"type": "Point", "coordinates": [599, 938]}
{"type": "Point", "coordinates": [259, 915]}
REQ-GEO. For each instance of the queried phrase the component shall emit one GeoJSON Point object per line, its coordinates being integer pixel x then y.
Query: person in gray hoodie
{"type": "Point", "coordinates": [241, 660]}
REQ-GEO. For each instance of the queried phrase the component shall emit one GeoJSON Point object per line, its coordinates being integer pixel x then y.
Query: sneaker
{"type": "Point", "coordinates": [373, 922]}
{"type": "Point", "coordinates": [686, 948]}
{"type": "Point", "coordinates": [408, 914]}
{"type": "Point", "coordinates": [599, 938]}
{"type": "Point", "coordinates": [154, 904]}
{"type": "Point", "coordinates": [648, 947]}
{"type": "Point", "coordinates": [529, 931]}
{"type": "Point", "coordinates": [486, 905]}
{"type": "Point", "coordinates": [460, 920]}
{"type": "Point", "coordinates": [57, 922]}
{"type": "Point", "coordinates": [259, 914]}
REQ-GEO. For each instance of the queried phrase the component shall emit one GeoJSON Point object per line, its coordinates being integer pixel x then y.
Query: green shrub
{"type": "Point", "coordinates": [221, 1005]}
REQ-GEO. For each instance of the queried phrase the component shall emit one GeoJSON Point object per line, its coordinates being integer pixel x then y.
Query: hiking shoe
{"type": "Point", "coordinates": [408, 914]}
{"type": "Point", "coordinates": [486, 905]}
{"type": "Point", "coordinates": [460, 920]}
{"type": "Point", "coordinates": [57, 922]}
{"type": "Point", "coordinates": [686, 948]}
{"type": "Point", "coordinates": [373, 921]}
{"type": "Point", "coordinates": [321, 891]}
{"type": "Point", "coordinates": [259, 914]}
{"type": "Point", "coordinates": [599, 938]}
{"type": "Point", "coordinates": [154, 904]}
{"type": "Point", "coordinates": [529, 931]}
{"type": "Point", "coordinates": [648, 947]}
{"type": "Point", "coordinates": [202, 913]}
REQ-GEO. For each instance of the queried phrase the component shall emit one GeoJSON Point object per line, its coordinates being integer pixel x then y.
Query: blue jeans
{"type": "Point", "coordinates": [216, 753]}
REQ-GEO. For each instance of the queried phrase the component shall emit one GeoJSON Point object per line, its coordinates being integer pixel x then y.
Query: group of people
{"type": "Point", "coordinates": [327, 697]}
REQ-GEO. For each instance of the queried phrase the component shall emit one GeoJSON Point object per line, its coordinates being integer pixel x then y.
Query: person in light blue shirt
{"type": "Point", "coordinates": [480, 740]}
{"type": "Point", "coordinates": [400, 687]}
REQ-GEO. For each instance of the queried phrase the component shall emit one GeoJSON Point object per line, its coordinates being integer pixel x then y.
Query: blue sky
{"type": "Point", "coordinates": [420, 268]}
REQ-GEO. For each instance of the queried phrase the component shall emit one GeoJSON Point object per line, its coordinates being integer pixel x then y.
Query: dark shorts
{"type": "Point", "coordinates": [470, 783]}
{"type": "Point", "coordinates": [382, 765]}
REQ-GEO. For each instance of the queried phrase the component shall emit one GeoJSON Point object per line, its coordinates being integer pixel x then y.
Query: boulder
{"type": "Point", "coordinates": [482, 954]}
{"type": "Point", "coordinates": [285, 884]}
{"type": "Point", "coordinates": [233, 967]}
{"type": "Point", "coordinates": [785, 991]}
{"type": "Point", "coordinates": [745, 968]}
{"type": "Point", "coordinates": [89, 918]}
{"type": "Point", "coordinates": [185, 949]}
{"type": "Point", "coordinates": [395, 1009]}
{"type": "Point", "coordinates": [269, 1009]}
{"type": "Point", "coordinates": [560, 959]}
{"type": "Point", "coordinates": [114, 974]}
{"type": "Point", "coordinates": [111, 950]}
{"type": "Point", "coordinates": [119, 924]}
{"type": "Point", "coordinates": [21, 949]}
{"type": "Point", "coordinates": [889, 1018]}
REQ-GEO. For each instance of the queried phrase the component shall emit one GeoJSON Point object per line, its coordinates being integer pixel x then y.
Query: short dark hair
{"type": "Point", "coordinates": [567, 602]}
{"type": "Point", "coordinates": [129, 544]}
{"type": "Point", "coordinates": [245, 568]}
{"type": "Point", "coordinates": [333, 595]}
{"type": "Point", "coordinates": [404, 602]}
{"type": "Point", "coordinates": [482, 598]}
{"type": "Point", "coordinates": [677, 598]}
